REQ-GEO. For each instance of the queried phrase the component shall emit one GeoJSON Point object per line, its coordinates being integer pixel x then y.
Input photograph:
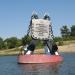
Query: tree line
{"type": "Point", "coordinates": [68, 33]}
{"type": "Point", "coordinates": [13, 42]}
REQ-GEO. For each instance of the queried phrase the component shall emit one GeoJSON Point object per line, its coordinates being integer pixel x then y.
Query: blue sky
{"type": "Point", "coordinates": [15, 15]}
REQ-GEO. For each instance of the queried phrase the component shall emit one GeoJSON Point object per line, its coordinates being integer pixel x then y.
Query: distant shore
{"type": "Point", "coordinates": [64, 48]}
{"type": "Point", "coordinates": [67, 48]}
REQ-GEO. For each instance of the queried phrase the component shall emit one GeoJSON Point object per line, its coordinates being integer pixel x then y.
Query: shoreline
{"type": "Point", "coordinates": [67, 48]}
{"type": "Point", "coordinates": [70, 48]}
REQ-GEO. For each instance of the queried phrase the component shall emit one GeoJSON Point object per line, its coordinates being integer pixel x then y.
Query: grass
{"type": "Point", "coordinates": [60, 43]}
{"type": "Point", "coordinates": [16, 51]}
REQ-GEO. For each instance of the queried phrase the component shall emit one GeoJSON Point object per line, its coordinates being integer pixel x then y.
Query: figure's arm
{"type": "Point", "coordinates": [29, 28]}
{"type": "Point", "coordinates": [51, 31]}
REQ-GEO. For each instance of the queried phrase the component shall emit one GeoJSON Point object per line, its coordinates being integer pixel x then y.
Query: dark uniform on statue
{"type": "Point", "coordinates": [48, 41]}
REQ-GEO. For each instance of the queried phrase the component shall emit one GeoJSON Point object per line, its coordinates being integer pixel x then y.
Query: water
{"type": "Point", "coordinates": [9, 66]}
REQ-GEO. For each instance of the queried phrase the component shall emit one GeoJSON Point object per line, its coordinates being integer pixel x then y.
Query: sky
{"type": "Point", "coordinates": [15, 15]}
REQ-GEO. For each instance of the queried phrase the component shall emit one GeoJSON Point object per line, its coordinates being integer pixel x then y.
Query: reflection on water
{"type": "Point", "coordinates": [9, 66]}
{"type": "Point", "coordinates": [40, 69]}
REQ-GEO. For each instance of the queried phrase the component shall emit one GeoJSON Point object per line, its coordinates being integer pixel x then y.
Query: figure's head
{"type": "Point", "coordinates": [46, 16]}
{"type": "Point", "coordinates": [34, 15]}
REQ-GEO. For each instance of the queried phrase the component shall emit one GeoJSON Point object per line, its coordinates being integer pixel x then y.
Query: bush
{"type": "Point", "coordinates": [56, 39]}
{"type": "Point", "coordinates": [60, 43]}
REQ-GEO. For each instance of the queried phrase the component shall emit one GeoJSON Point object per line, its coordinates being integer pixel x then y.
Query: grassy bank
{"type": "Point", "coordinates": [14, 51]}
{"type": "Point", "coordinates": [69, 46]}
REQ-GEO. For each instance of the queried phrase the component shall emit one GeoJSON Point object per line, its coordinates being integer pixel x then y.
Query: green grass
{"type": "Point", "coordinates": [16, 51]}
{"type": "Point", "coordinates": [60, 43]}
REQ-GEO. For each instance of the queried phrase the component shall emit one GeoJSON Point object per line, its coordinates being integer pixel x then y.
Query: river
{"type": "Point", "coordinates": [9, 66]}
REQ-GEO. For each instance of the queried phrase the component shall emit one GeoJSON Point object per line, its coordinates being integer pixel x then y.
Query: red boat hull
{"type": "Point", "coordinates": [39, 58]}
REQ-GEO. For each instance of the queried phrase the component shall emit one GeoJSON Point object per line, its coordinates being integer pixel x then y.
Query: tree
{"type": "Point", "coordinates": [11, 42]}
{"type": "Point", "coordinates": [73, 30]}
{"type": "Point", "coordinates": [1, 43]}
{"type": "Point", "coordinates": [65, 32]}
{"type": "Point", "coordinates": [26, 39]}
{"type": "Point", "coordinates": [57, 39]}
{"type": "Point", "coordinates": [19, 42]}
